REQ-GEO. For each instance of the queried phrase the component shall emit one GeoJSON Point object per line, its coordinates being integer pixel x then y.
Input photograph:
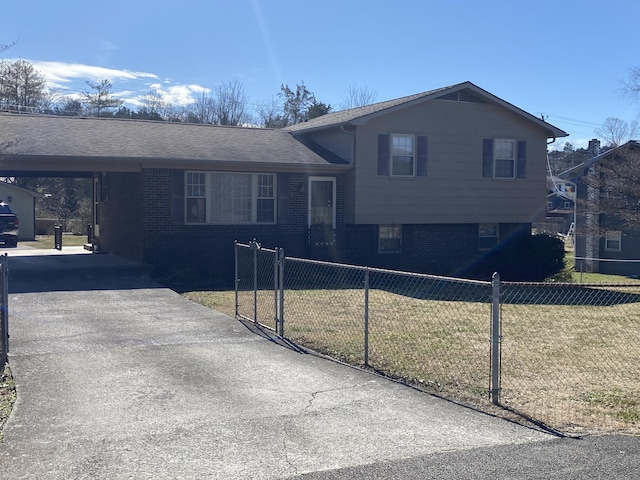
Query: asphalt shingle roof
{"type": "Point", "coordinates": [361, 113]}
{"type": "Point", "coordinates": [56, 136]}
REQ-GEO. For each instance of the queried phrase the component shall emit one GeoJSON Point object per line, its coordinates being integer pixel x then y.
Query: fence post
{"type": "Point", "coordinates": [281, 290]}
{"type": "Point", "coordinates": [366, 316]}
{"type": "Point", "coordinates": [255, 246]}
{"type": "Point", "coordinates": [495, 339]}
{"type": "Point", "coordinates": [237, 274]}
{"type": "Point", "coordinates": [57, 237]}
{"type": "Point", "coordinates": [276, 290]}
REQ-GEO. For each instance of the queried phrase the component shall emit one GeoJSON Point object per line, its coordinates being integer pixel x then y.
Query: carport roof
{"type": "Point", "coordinates": [87, 143]}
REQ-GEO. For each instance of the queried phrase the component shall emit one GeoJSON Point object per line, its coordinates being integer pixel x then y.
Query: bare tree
{"type": "Point", "coordinates": [202, 110]}
{"type": "Point", "coordinates": [22, 87]}
{"type": "Point", "coordinates": [70, 107]}
{"type": "Point", "coordinates": [358, 97]}
{"type": "Point", "coordinates": [631, 86]}
{"type": "Point", "coordinates": [100, 100]}
{"type": "Point", "coordinates": [616, 132]}
{"type": "Point", "coordinates": [230, 105]}
{"type": "Point", "coordinates": [7, 46]}
{"type": "Point", "coordinates": [614, 183]}
{"type": "Point", "coordinates": [271, 115]}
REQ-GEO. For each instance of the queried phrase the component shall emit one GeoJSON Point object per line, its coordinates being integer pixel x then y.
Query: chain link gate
{"type": "Point", "coordinates": [258, 285]}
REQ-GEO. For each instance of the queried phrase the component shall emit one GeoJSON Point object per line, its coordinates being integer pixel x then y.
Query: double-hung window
{"type": "Point", "coordinates": [487, 236]}
{"type": "Point", "coordinates": [230, 198]}
{"type": "Point", "coordinates": [402, 155]}
{"type": "Point", "coordinates": [196, 197]}
{"type": "Point", "coordinates": [504, 158]}
{"type": "Point", "coordinates": [613, 241]}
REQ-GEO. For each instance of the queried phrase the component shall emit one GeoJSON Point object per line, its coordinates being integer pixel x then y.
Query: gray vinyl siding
{"type": "Point", "coordinates": [454, 190]}
{"type": "Point", "coordinates": [336, 141]}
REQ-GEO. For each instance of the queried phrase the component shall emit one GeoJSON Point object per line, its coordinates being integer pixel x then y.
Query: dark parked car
{"type": "Point", "coordinates": [8, 226]}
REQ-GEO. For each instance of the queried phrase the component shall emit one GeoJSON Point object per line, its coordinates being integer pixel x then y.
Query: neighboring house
{"type": "Point", "coordinates": [602, 245]}
{"type": "Point", "coordinates": [429, 182]}
{"type": "Point", "coordinates": [23, 203]}
{"type": "Point", "coordinates": [561, 202]}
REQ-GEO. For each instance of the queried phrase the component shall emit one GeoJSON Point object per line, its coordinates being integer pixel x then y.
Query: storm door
{"type": "Point", "coordinates": [322, 210]}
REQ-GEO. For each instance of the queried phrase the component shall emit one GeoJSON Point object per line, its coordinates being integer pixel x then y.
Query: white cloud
{"type": "Point", "coordinates": [69, 78]}
{"type": "Point", "coordinates": [60, 74]}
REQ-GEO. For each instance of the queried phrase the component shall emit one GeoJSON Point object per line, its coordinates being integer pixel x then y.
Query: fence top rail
{"type": "Point", "coordinates": [262, 249]}
{"type": "Point", "coordinates": [571, 285]}
{"type": "Point", "coordinates": [385, 271]}
{"type": "Point", "coordinates": [614, 260]}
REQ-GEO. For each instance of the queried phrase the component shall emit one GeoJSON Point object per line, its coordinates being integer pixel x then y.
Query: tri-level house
{"type": "Point", "coordinates": [430, 182]}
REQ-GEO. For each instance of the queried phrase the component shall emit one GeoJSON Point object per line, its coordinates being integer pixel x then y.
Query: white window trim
{"type": "Point", "coordinates": [497, 236]}
{"type": "Point", "coordinates": [514, 159]}
{"type": "Point", "coordinates": [413, 154]}
{"type": "Point", "coordinates": [615, 236]}
{"type": "Point", "coordinates": [254, 198]}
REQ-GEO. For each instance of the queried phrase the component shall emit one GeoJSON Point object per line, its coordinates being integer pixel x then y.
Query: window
{"type": "Point", "coordinates": [402, 155]}
{"type": "Point", "coordinates": [196, 188]}
{"type": "Point", "coordinates": [487, 236]}
{"type": "Point", "coordinates": [230, 198]}
{"type": "Point", "coordinates": [504, 158]}
{"type": "Point", "coordinates": [389, 238]}
{"type": "Point", "coordinates": [549, 205]}
{"type": "Point", "coordinates": [567, 205]}
{"type": "Point", "coordinates": [613, 241]}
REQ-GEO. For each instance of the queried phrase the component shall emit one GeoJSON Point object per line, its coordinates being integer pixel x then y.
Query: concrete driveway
{"type": "Point", "coordinates": [118, 377]}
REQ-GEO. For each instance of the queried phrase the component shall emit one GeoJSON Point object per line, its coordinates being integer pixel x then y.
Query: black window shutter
{"type": "Point", "coordinates": [177, 197]}
{"type": "Point", "coordinates": [421, 170]}
{"type": "Point", "coordinates": [522, 159]}
{"type": "Point", "coordinates": [283, 198]}
{"type": "Point", "coordinates": [383, 154]}
{"type": "Point", "coordinates": [487, 157]}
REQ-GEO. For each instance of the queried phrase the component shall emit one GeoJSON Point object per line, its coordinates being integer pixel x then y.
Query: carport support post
{"type": "Point", "coordinates": [495, 339]}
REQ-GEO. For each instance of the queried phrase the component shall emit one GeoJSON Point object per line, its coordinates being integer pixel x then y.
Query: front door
{"type": "Point", "coordinates": [322, 210]}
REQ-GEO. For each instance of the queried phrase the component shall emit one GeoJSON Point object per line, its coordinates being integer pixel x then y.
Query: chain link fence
{"type": "Point", "coordinates": [570, 354]}
{"type": "Point", "coordinates": [562, 355]}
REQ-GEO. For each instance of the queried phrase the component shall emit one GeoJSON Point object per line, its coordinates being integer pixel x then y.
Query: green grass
{"type": "Point", "coordinates": [47, 241]}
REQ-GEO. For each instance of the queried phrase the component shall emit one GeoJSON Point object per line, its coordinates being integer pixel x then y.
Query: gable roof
{"type": "Point", "coordinates": [360, 115]}
{"type": "Point", "coordinates": [571, 172]}
{"type": "Point", "coordinates": [150, 143]}
{"type": "Point", "coordinates": [15, 188]}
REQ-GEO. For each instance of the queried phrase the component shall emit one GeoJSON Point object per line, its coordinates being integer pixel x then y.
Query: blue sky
{"type": "Point", "coordinates": [564, 59]}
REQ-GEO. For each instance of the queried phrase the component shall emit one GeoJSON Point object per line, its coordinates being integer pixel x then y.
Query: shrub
{"type": "Point", "coordinates": [524, 258]}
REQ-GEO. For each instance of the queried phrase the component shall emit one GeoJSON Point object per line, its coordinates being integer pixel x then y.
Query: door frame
{"type": "Point", "coordinates": [333, 200]}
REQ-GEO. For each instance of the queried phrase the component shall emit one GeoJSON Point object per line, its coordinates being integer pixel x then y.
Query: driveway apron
{"type": "Point", "coordinates": [119, 377]}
